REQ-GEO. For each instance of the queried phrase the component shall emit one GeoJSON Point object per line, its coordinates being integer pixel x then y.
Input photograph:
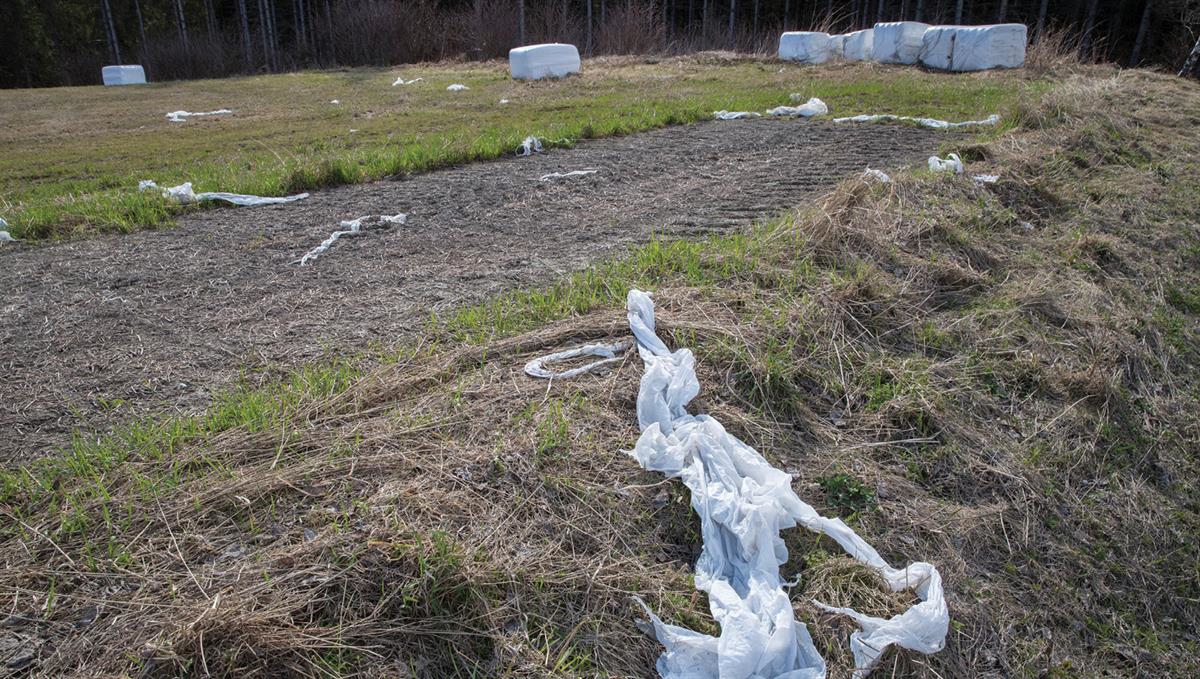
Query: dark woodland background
{"type": "Point", "coordinates": [65, 42]}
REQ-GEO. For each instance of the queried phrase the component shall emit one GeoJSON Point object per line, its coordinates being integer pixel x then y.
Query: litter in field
{"type": "Point", "coordinates": [609, 354]}
{"type": "Point", "coordinates": [180, 116]}
{"type": "Point", "coordinates": [353, 227]}
{"type": "Point", "coordinates": [735, 115]}
{"type": "Point", "coordinates": [6, 237]}
{"type": "Point", "coordinates": [859, 45]}
{"type": "Point", "coordinates": [985, 178]}
{"type": "Point", "coordinates": [743, 504]}
{"type": "Point", "coordinates": [951, 163]}
{"type": "Point", "coordinates": [563, 175]}
{"type": "Point", "coordinates": [812, 107]}
{"type": "Point", "coordinates": [402, 81]}
{"type": "Point", "coordinates": [551, 60]}
{"type": "Point", "coordinates": [184, 195]}
{"type": "Point", "coordinates": [530, 146]}
{"type": "Point", "coordinates": [897, 42]}
{"type": "Point", "coordinates": [806, 47]}
{"type": "Point", "coordinates": [974, 48]}
{"type": "Point", "coordinates": [334, 101]}
{"type": "Point", "coordinates": [456, 87]}
{"type": "Point", "coordinates": [877, 174]}
{"type": "Point", "coordinates": [124, 74]}
{"type": "Point", "coordinates": [931, 123]}
{"type": "Point", "coordinates": [503, 101]}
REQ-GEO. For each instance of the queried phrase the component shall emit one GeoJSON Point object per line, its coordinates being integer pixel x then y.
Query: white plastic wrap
{"type": "Point", "coordinates": [858, 45]}
{"type": "Point", "coordinates": [530, 146]}
{"type": "Point", "coordinates": [534, 62]}
{"type": "Point", "coordinates": [974, 48]}
{"type": "Point", "coordinates": [126, 74]}
{"type": "Point", "coordinates": [807, 47]}
{"type": "Point", "coordinates": [931, 123]}
{"type": "Point", "coordinates": [5, 236]}
{"type": "Point", "coordinates": [743, 504]}
{"type": "Point", "coordinates": [837, 45]}
{"type": "Point", "coordinates": [457, 87]}
{"type": "Point", "coordinates": [951, 163]}
{"type": "Point", "coordinates": [180, 116]}
{"type": "Point", "coordinates": [897, 42]}
{"type": "Point", "coordinates": [735, 115]}
{"type": "Point", "coordinates": [565, 175]}
{"type": "Point", "coordinates": [608, 353]}
{"type": "Point", "coordinates": [878, 175]}
{"type": "Point", "coordinates": [183, 194]}
{"type": "Point", "coordinates": [812, 107]}
{"type": "Point", "coordinates": [353, 227]}
{"type": "Point", "coordinates": [402, 81]}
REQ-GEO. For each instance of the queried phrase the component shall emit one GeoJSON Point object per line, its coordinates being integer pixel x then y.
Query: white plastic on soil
{"type": "Point", "coordinates": [879, 175]}
{"type": "Point", "coordinates": [974, 48]}
{"type": "Point", "coordinates": [931, 123]}
{"type": "Point", "coordinates": [184, 195]}
{"type": "Point", "coordinates": [354, 227]}
{"type": "Point", "coordinates": [609, 353]}
{"type": "Point", "coordinates": [402, 81]}
{"type": "Point", "coordinates": [564, 175]}
{"type": "Point", "coordinates": [806, 47]}
{"type": "Point", "coordinates": [812, 107]}
{"type": "Point", "coordinates": [334, 101]}
{"type": "Point", "coordinates": [530, 146]}
{"type": "Point", "coordinates": [551, 60]}
{"type": "Point", "coordinates": [951, 163]}
{"type": "Point", "coordinates": [5, 236]}
{"type": "Point", "coordinates": [985, 178]}
{"type": "Point", "coordinates": [858, 45]}
{"type": "Point", "coordinates": [125, 74]}
{"type": "Point", "coordinates": [180, 116]}
{"type": "Point", "coordinates": [456, 87]}
{"type": "Point", "coordinates": [743, 504]}
{"type": "Point", "coordinates": [897, 42]}
{"type": "Point", "coordinates": [735, 115]}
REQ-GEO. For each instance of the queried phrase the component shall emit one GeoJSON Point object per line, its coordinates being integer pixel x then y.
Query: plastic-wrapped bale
{"type": "Point", "coordinates": [836, 44]}
{"type": "Point", "coordinates": [897, 42]}
{"type": "Point", "coordinates": [858, 45]}
{"type": "Point", "coordinates": [129, 74]}
{"type": "Point", "coordinates": [974, 48]}
{"type": "Point", "coordinates": [534, 62]}
{"type": "Point", "coordinates": [807, 47]}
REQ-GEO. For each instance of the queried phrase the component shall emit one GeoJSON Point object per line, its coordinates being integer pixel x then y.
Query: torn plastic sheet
{"type": "Point", "coordinates": [402, 81]}
{"type": "Point", "coordinates": [353, 227]}
{"type": "Point", "coordinates": [180, 116]}
{"type": "Point", "coordinates": [743, 503]}
{"type": "Point", "coordinates": [812, 107]}
{"type": "Point", "coordinates": [5, 236]}
{"type": "Point", "coordinates": [609, 353]}
{"type": "Point", "coordinates": [456, 87]}
{"type": "Point", "coordinates": [184, 195]}
{"type": "Point", "coordinates": [564, 175]}
{"type": "Point", "coordinates": [735, 115]}
{"type": "Point", "coordinates": [985, 178]}
{"type": "Point", "coordinates": [951, 163]}
{"type": "Point", "coordinates": [530, 146]}
{"type": "Point", "coordinates": [877, 174]}
{"type": "Point", "coordinates": [931, 123]}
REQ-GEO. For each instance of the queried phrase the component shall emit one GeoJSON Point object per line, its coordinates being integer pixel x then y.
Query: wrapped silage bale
{"type": "Point", "coordinates": [898, 42]}
{"type": "Point", "coordinates": [534, 62]}
{"type": "Point", "coordinates": [127, 74]}
{"type": "Point", "coordinates": [858, 45]}
{"type": "Point", "coordinates": [974, 48]}
{"type": "Point", "coordinates": [807, 47]}
{"type": "Point", "coordinates": [836, 45]}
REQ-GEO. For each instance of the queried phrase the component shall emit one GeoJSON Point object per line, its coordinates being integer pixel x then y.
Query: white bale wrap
{"type": "Point", "coordinates": [897, 42]}
{"type": "Point", "coordinates": [837, 44]}
{"type": "Point", "coordinates": [974, 48]}
{"type": "Point", "coordinates": [807, 47]}
{"type": "Point", "coordinates": [858, 45]}
{"type": "Point", "coordinates": [534, 62]}
{"type": "Point", "coordinates": [129, 74]}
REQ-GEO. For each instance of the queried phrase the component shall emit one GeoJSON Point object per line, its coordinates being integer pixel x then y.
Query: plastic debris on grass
{"type": "Point", "coordinates": [184, 195]}
{"type": "Point", "coordinates": [812, 107]}
{"type": "Point", "coordinates": [735, 115]}
{"type": "Point", "coordinates": [456, 87]}
{"type": "Point", "coordinates": [353, 227]}
{"type": "Point", "coordinates": [5, 236]}
{"type": "Point", "coordinates": [530, 146]}
{"type": "Point", "coordinates": [564, 175]}
{"type": "Point", "coordinates": [608, 353]}
{"type": "Point", "coordinates": [985, 178]}
{"type": "Point", "coordinates": [743, 504]}
{"type": "Point", "coordinates": [931, 123]}
{"type": "Point", "coordinates": [951, 163]}
{"type": "Point", "coordinates": [879, 175]}
{"type": "Point", "coordinates": [402, 81]}
{"type": "Point", "coordinates": [334, 101]}
{"type": "Point", "coordinates": [180, 116]}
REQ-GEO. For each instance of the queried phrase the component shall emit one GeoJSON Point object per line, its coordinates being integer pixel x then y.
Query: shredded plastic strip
{"type": "Point", "coordinates": [812, 107]}
{"type": "Point", "coordinates": [880, 175]}
{"type": "Point", "coordinates": [184, 195]}
{"type": "Point", "coordinates": [5, 236]}
{"type": "Point", "coordinates": [402, 81]}
{"type": "Point", "coordinates": [564, 175]}
{"type": "Point", "coordinates": [735, 115]}
{"type": "Point", "coordinates": [353, 227]}
{"type": "Point", "coordinates": [457, 87]}
{"type": "Point", "coordinates": [609, 353]}
{"type": "Point", "coordinates": [180, 116]}
{"type": "Point", "coordinates": [931, 123]}
{"type": "Point", "coordinates": [530, 146]}
{"type": "Point", "coordinates": [952, 163]}
{"type": "Point", "coordinates": [743, 503]}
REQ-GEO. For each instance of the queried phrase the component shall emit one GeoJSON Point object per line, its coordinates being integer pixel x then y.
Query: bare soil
{"type": "Point", "coordinates": [101, 330]}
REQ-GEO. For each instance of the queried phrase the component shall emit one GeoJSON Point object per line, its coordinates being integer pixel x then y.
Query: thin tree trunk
{"type": "Point", "coordinates": [732, 17]}
{"type": "Point", "coordinates": [1041, 22]}
{"type": "Point", "coordinates": [273, 25]}
{"type": "Point", "coordinates": [1089, 24]}
{"type": "Point", "coordinates": [210, 19]}
{"type": "Point", "coordinates": [879, 13]}
{"type": "Point", "coordinates": [247, 48]}
{"type": "Point", "coordinates": [262, 32]}
{"type": "Point", "coordinates": [754, 21]}
{"type": "Point", "coordinates": [1003, 14]}
{"type": "Point", "coordinates": [828, 9]}
{"type": "Point", "coordinates": [1190, 64]}
{"type": "Point", "coordinates": [181, 22]}
{"type": "Point", "coordinates": [787, 12]}
{"type": "Point", "coordinates": [587, 46]}
{"type": "Point", "coordinates": [110, 31]}
{"type": "Point", "coordinates": [479, 27]}
{"type": "Point", "coordinates": [521, 20]}
{"type": "Point", "coordinates": [137, 8]}
{"type": "Point", "coordinates": [1135, 56]}
{"type": "Point", "coordinates": [704, 21]}
{"type": "Point", "coordinates": [920, 10]}
{"type": "Point", "coordinates": [691, 14]}
{"type": "Point", "coordinates": [958, 9]}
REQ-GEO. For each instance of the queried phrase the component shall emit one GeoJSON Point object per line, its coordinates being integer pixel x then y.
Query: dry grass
{"type": "Point", "coordinates": [1016, 404]}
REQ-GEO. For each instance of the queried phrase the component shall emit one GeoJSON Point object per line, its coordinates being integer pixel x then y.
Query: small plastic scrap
{"type": "Point", "coordinates": [985, 178]}
{"type": "Point", "coordinates": [877, 174]}
{"type": "Point", "coordinates": [180, 116]}
{"type": "Point", "coordinates": [563, 175]}
{"type": "Point", "coordinates": [457, 88]}
{"type": "Point", "coordinates": [609, 353]}
{"type": "Point", "coordinates": [530, 146]}
{"type": "Point", "coordinates": [5, 236]}
{"type": "Point", "coordinates": [931, 123]}
{"type": "Point", "coordinates": [952, 163]}
{"type": "Point", "coordinates": [353, 227]}
{"type": "Point", "coordinates": [503, 101]}
{"type": "Point", "coordinates": [735, 115]}
{"type": "Point", "coordinates": [184, 195]}
{"type": "Point", "coordinates": [402, 81]}
{"type": "Point", "coordinates": [812, 107]}
{"type": "Point", "coordinates": [334, 101]}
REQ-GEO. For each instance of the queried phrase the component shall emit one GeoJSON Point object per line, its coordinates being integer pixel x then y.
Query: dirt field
{"type": "Point", "coordinates": [101, 330]}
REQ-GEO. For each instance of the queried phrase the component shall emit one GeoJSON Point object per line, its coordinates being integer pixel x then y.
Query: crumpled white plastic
{"type": "Point", "coordinates": [5, 236]}
{"type": "Point", "coordinates": [931, 123]}
{"type": "Point", "coordinates": [402, 81]}
{"type": "Point", "coordinates": [609, 353]}
{"type": "Point", "coordinates": [952, 163]}
{"type": "Point", "coordinates": [334, 101]}
{"type": "Point", "coordinates": [353, 227]}
{"type": "Point", "coordinates": [743, 503]}
{"type": "Point", "coordinates": [530, 146]}
{"type": "Point", "coordinates": [735, 115]}
{"type": "Point", "coordinates": [563, 175]}
{"type": "Point", "coordinates": [877, 174]}
{"type": "Point", "coordinates": [180, 116]}
{"type": "Point", "coordinates": [456, 87]}
{"type": "Point", "coordinates": [985, 178]}
{"type": "Point", "coordinates": [184, 195]}
{"type": "Point", "coordinates": [812, 107]}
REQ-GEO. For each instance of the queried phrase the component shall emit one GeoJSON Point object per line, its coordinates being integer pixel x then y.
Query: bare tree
{"type": "Point", "coordinates": [1041, 20]}
{"type": "Point", "coordinates": [181, 22]}
{"type": "Point", "coordinates": [137, 8]}
{"type": "Point", "coordinates": [1139, 42]}
{"type": "Point", "coordinates": [958, 9]}
{"type": "Point", "coordinates": [247, 48]}
{"type": "Point", "coordinates": [110, 31]}
{"type": "Point", "coordinates": [920, 10]}
{"type": "Point", "coordinates": [521, 20]}
{"type": "Point", "coordinates": [732, 17]}
{"type": "Point", "coordinates": [1089, 24]}
{"type": "Point", "coordinates": [1003, 13]}
{"type": "Point", "coordinates": [587, 45]}
{"type": "Point", "coordinates": [1190, 64]}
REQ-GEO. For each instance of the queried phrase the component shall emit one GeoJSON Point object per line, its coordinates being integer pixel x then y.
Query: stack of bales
{"type": "Point", "coordinates": [948, 48]}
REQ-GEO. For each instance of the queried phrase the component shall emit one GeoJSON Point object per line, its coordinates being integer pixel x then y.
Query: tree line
{"type": "Point", "coordinates": [65, 42]}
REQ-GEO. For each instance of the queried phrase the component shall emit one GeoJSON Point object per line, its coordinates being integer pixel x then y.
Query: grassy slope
{"type": "Point", "coordinates": [1017, 404]}
{"type": "Point", "coordinates": [70, 158]}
